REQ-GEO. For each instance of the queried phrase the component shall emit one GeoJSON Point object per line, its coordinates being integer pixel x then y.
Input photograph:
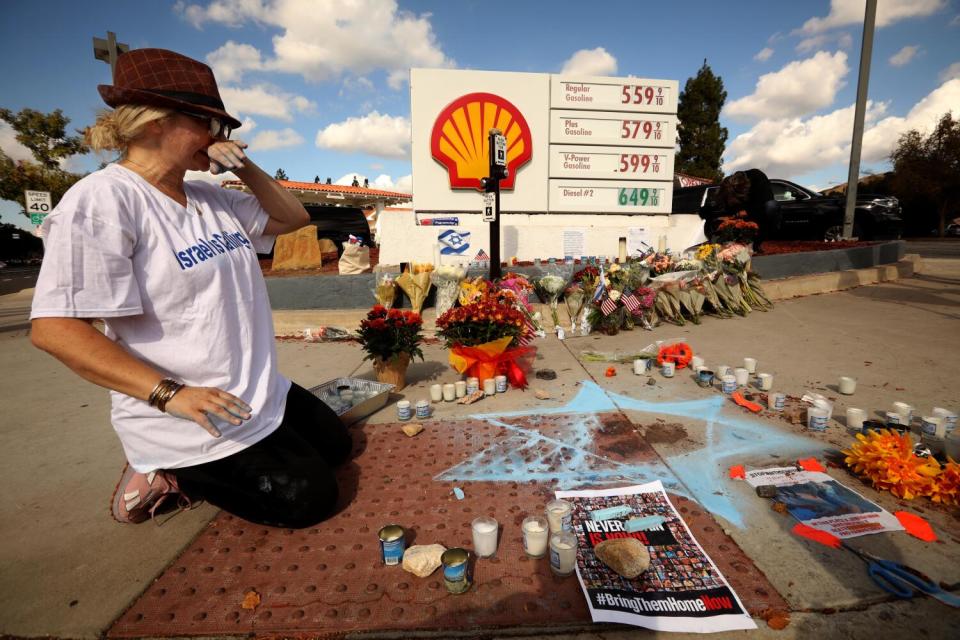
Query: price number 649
{"type": "Point", "coordinates": [637, 197]}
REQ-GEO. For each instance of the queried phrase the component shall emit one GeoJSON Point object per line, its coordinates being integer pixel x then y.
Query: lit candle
{"type": "Point", "coordinates": [560, 515]}
{"type": "Point", "coordinates": [436, 392]}
{"type": "Point", "coordinates": [449, 392]}
{"type": "Point", "coordinates": [535, 534]}
{"type": "Point", "coordinates": [461, 388]}
{"type": "Point", "coordinates": [484, 536]}
{"type": "Point", "coordinates": [563, 553]}
{"type": "Point", "coordinates": [489, 386]}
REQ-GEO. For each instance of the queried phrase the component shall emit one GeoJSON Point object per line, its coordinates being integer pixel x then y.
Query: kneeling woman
{"type": "Point", "coordinates": [170, 266]}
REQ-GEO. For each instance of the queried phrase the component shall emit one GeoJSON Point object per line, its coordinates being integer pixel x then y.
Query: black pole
{"type": "Point", "coordinates": [495, 271]}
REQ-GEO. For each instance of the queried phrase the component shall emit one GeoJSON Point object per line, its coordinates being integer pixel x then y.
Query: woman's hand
{"type": "Point", "coordinates": [199, 403]}
{"type": "Point", "coordinates": [226, 155]}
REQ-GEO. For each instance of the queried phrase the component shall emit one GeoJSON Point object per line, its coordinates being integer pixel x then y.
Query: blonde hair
{"type": "Point", "coordinates": [114, 130]}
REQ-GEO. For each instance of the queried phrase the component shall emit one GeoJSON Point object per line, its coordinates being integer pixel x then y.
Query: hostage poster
{"type": "Point", "coordinates": [682, 590]}
{"type": "Point", "coordinates": [819, 501]}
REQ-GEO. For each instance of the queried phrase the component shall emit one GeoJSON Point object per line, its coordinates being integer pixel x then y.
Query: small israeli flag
{"type": "Point", "coordinates": [454, 242]}
{"type": "Point", "coordinates": [601, 288]}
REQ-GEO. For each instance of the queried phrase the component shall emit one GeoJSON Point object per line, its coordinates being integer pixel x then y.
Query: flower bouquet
{"type": "Point", "coordinates": [549, 288]}
{"type": "Point", "coordinates": [644, 312]}
{"type": "Point", "coordinates": [385, 289]}
{"type": "Point", "coordinates": [574, 298]}
{"type": "Point", "coordinates": [736, 230]}
{"type": "Point", "coordinates": [488, 337]}
{"type": "Point", "coordinates": [471, 290]}
{"type": "Point", "coordinates": [415, 282]}
{"type": "Point", "coordinates": [391, 339]}
{"type": "Point", "coordinates": [518, 290]}
{"type": "Point", "coordinates": [447, 281]}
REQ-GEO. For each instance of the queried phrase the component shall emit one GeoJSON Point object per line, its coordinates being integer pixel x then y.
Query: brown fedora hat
{"type": "Point", "coordinates": [161, 78]}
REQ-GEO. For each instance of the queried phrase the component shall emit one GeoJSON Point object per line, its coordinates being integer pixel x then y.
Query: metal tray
{"type": "Point", "coordinates": [377, 394]}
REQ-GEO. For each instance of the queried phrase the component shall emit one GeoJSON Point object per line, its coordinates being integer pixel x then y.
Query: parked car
{"type": "Point", "coordinates": [803, 214]}
{"type": "Point", "coordinates": [952, 229]}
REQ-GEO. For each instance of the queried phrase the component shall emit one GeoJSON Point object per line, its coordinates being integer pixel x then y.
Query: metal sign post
{"type": "Point", "coordinates": [497, 144]}
{"type": "Point", "coordinates": [853, 176]}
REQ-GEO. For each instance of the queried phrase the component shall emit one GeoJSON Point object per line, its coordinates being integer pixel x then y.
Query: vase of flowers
{"type": "Point", "coordinates": [487, 337]}
{"type": "Point", "coordinates": [391, 339]}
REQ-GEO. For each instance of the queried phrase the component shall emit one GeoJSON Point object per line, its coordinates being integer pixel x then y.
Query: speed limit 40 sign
{"type": "Point", "coordinates": [38, 205]}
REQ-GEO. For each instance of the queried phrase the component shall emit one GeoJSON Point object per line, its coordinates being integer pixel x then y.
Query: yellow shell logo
{"type": "Point", "coordinates": [459, 141]}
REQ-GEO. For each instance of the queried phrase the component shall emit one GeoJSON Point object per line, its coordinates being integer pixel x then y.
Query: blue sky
{"type": "Point", "coordinates": [321, 85]}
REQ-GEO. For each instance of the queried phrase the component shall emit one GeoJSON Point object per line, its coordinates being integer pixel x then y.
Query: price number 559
{"type": "Point", "coordinates": [636, 94]}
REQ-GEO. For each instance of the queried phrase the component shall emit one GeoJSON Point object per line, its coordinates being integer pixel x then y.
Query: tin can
{"type": "Point", "coordinates": [456, 574]}
{"type": "Point", "coordinates": [423, 409]}
{"type": "Point", "coordinates": [392, 544]}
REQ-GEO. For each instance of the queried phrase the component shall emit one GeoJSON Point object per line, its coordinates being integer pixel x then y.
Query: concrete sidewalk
{"type": "Point", "coordinates": [70, 571]}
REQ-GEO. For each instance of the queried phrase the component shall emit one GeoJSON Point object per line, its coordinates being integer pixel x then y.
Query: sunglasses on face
{"type": "Point", "coordinates": [218, 128]}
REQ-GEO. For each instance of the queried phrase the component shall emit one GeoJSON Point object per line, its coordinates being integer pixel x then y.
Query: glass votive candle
{"type": "Point", "coordinates": [750, 364]}
{"type": "Point", "coordinates": [696, 361]}
{"type": "Point", "coordinates": [436, 392]}
{"type": "Point", "coordinates": [473, 384]}
{"type": "Point", "coordinates": [905, 411]}
{"type": "Point", "coordinates": [449, 392]}
{"type": "Point", "coordinates": [855, 418]}
{"type": "Point", "coordinates": [536, 532]}
{"type": "Point", "coordinates": [668, 369]}
{"type": "Point", "coordinates": [776, 401]}
{"type": "Point", "coordinates": [722, 370]}
{"type": "Point", "coordinates": [563, 553]}
{"type": "Point", "coordinates": [559, 515]}
{"type": "Point", "coordinates": [765, 381]}
{"type": "Point", "coordinates": [489, 386]}
{"type": "Point", "coordinates": [640, 366]}
{"type": "Point", "coordinates": [404, 412]}
{"type": "Point", "coordinates": [847, 385]}
{"type": "Point", "coordinates": [742, 376]}
{"type": "Point", "coordinates": [728, 384]}
{"type": "Point", "coordinates": [484, 536]}
{"type": "Point", "coordinates": [461, 388]}
{"type": "Point", "coordinates": [423, 409]}
{"type": "Point", "coordinates": [501, 383]}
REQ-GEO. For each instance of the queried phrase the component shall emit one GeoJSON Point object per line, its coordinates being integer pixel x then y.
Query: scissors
{"type": "Point", "coordinates": [901, 580]}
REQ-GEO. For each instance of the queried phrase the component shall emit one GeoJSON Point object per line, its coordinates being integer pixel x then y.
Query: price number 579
{"type": "Point", "coordinates": [634, 128]}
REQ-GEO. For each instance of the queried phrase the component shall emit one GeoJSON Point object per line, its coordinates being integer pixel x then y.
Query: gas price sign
{"type": "Point", "coordinates": [610, 196]}
{"type": "Point", "coordinates": [634, 163]}
{"type": "Point", "coordinates": [602, 128]}
{"type": "Point", "coordinates": [614, 94]}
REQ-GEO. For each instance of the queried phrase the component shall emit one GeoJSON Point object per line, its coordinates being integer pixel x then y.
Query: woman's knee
{"type": "Point", "coordinates": [302, 499]}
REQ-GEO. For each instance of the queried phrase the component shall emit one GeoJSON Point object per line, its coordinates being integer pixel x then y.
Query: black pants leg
{"type": "Point", "coordinates": [286, 479]}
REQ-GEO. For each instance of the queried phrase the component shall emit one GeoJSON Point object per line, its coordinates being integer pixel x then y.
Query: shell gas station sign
{"type": "Point", "coordinates": [595, 153]}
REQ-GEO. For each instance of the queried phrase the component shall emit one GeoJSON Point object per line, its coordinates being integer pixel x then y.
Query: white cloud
{"type": "Point", "coordinates": [847, 12]}
{"type": "Point", "coordinates": [206, 176]}
{"type": "Point", "coordinates": [265, 100]}
{"type": "Point", "coordinates": [375, 133]}
{"type": "Point", "coordinates": [904, 56]}
{"type": "Point", "coordinates": [801, 87]}
{"type": "Point", "coordinates": [951, 72]}
{"type": "Point", "coordinates": [275, 139]}
{"type": "Point", "coordinates": [956, 21]}
{"type": "Point", "coordinates": [793, 146]}
{"type": "Point", "coordinates": [763, 55]}
{"type": "Point", "coordinates": [403, 184]}
{"type": "Point", "coordinates": [8, 142]}
{"type": "Point", "coordinates": [231, 60]}
{"type": "Point", "coordinates": [590, 62]}
{"type": "Point", "coordinates": [325, 42]}
{"type": "Point", "coordinates": [824, 40]}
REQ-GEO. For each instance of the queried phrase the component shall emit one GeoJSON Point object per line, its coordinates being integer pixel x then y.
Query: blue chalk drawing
{"type": "Point", "coordinates": [701, 474]}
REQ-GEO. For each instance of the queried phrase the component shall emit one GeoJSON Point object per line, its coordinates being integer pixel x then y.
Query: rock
{"type": "Point", "coordinates": [471, 398]}
{"type": "Point", "coordinates": [297, 250]}
{"type": "Point", "coordinates": [422, 559]}
{"type": "Point", "coordinates": [626, 556]}
{"type": "Point", "coordinates": [412, 429]}
{"type": "Point", "coordinates": [545, 374]}
{"type": "Point", "coordinates": [541, 394]}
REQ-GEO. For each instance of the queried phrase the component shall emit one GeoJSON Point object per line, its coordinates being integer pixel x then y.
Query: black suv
{"type": "Point", "coordinates": [803, 214]}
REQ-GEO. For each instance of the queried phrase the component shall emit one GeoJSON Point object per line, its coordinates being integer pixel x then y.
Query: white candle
{"type": "Point", "coordinates": [559, 515]}
{"type": "Point", "coordinates": [485, 536]}
{"type": "Point", "coordinates": [449, 392]}
{"type": "Point", "coordinates": [436, 392]}
{"type": "Point", "coordinates": [473, 384]}
{"type": "Point", "coordinates": [461, 388]}
{"type": "Point", "coordinates": [765, 381]}
{"type": "Point", "coordinates": [535, 534]}
{"type": "Point", "coordinates": [905, 411]}
{"type": "Point", "coordinates": [403, 410]}
{"type": "Point", "coordinates": [489, 386]}
{"type": "Point", "coordinates": [695, 362]}
{"type": "Point", "coordinates": [750, 364]}
{"type": "Point", "coordinates": [639, 366]}
{"type": "Point", "coordinates": [742, 376]}
{"type": "Point", "coordinates": [847, 385]}
{"type": "Point", "coordinates": [563, 553]}
{"type": "Point", "coordinates": [501, 382]}
{"type": "Point", "coordinates": [668, 369]}
{"type": "Point", "coordinates": [722, 370]}
{"type": "Point", "coordinates": [855, 418]}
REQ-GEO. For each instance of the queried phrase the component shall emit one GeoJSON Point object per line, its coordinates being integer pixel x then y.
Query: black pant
{"type": "Point", "coordinates": [286, 479]}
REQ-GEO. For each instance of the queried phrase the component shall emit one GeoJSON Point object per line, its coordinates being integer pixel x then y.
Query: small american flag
{"type": "Point", "coordinates": [630, 302]}
{"type": "Point", "coordinates": [608, 306]}
{"type": "Point", "coordinates": [481, 255]}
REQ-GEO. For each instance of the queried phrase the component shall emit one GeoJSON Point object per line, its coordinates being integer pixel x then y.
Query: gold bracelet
{"type": "Point", "coordinates": [168, 394]}
{"type": "Point", "coordinates": [162, 393]}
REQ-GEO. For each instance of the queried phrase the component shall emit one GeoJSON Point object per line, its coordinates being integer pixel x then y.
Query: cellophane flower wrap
{"type": "Point", "coordinates": [447, 281]}
{"type": "Point", "coordinates": [488, 337]}
{"type": "Point", "coordinates": [549, 288]}
{"type": "Point", "coordinates": [416, 284]}
{"type": "Point", "coordinates": [387, 333]}
{"type": "Point", "coordinates": [385, 289]}
{"type": "Point", "coordinates": [574, 298]}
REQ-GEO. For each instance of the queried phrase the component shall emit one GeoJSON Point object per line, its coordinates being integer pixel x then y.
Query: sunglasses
{"type": "Point", "coordinates": [218, 127]}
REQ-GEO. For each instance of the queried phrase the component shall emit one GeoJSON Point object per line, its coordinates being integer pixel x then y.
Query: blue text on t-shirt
{"type": "Point", "coordinates": [206, 249]}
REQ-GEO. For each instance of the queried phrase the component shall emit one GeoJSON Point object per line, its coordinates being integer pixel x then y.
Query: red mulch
{"type": "Point", "coordinates": [770, 248]}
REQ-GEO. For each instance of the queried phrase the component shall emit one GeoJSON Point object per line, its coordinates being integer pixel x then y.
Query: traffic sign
{"type": "Point", "coordinates": [38, 204]}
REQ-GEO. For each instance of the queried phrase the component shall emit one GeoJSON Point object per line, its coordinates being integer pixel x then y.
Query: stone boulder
{"type": "Point", "coordinates": [628, 557]}
{"type": "Point", "coordinates": [297, 250]}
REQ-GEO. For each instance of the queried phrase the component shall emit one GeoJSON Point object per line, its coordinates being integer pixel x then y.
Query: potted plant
{"type": "Point", "coordinates": [391, 339]}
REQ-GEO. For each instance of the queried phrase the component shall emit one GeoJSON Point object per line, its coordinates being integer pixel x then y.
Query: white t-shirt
{"type": "Point", "coordinates": [182, 290]}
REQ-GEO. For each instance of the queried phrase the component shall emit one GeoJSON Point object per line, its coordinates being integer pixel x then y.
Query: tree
{"type": "Point", "coordinates": [280, 175]}
{"type": "Point", "coordinates": [927, 169]}
{"type": "Point", "coordinates": [44, 134]}
{"type": "Point", "coordinates": [702, 139]}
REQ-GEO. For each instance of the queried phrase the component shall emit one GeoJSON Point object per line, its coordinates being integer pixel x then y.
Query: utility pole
{"type": "Point", "coordinates": [109, 50]}
{"type": "Point", "coordinates": [853, 177]}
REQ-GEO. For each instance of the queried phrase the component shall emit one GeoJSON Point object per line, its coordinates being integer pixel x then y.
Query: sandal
{"type": "Point", "coordinates": [139, 495]}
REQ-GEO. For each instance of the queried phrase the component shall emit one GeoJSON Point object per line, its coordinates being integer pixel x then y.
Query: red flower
{"type": "Point", "coordinates": [393, 314]}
